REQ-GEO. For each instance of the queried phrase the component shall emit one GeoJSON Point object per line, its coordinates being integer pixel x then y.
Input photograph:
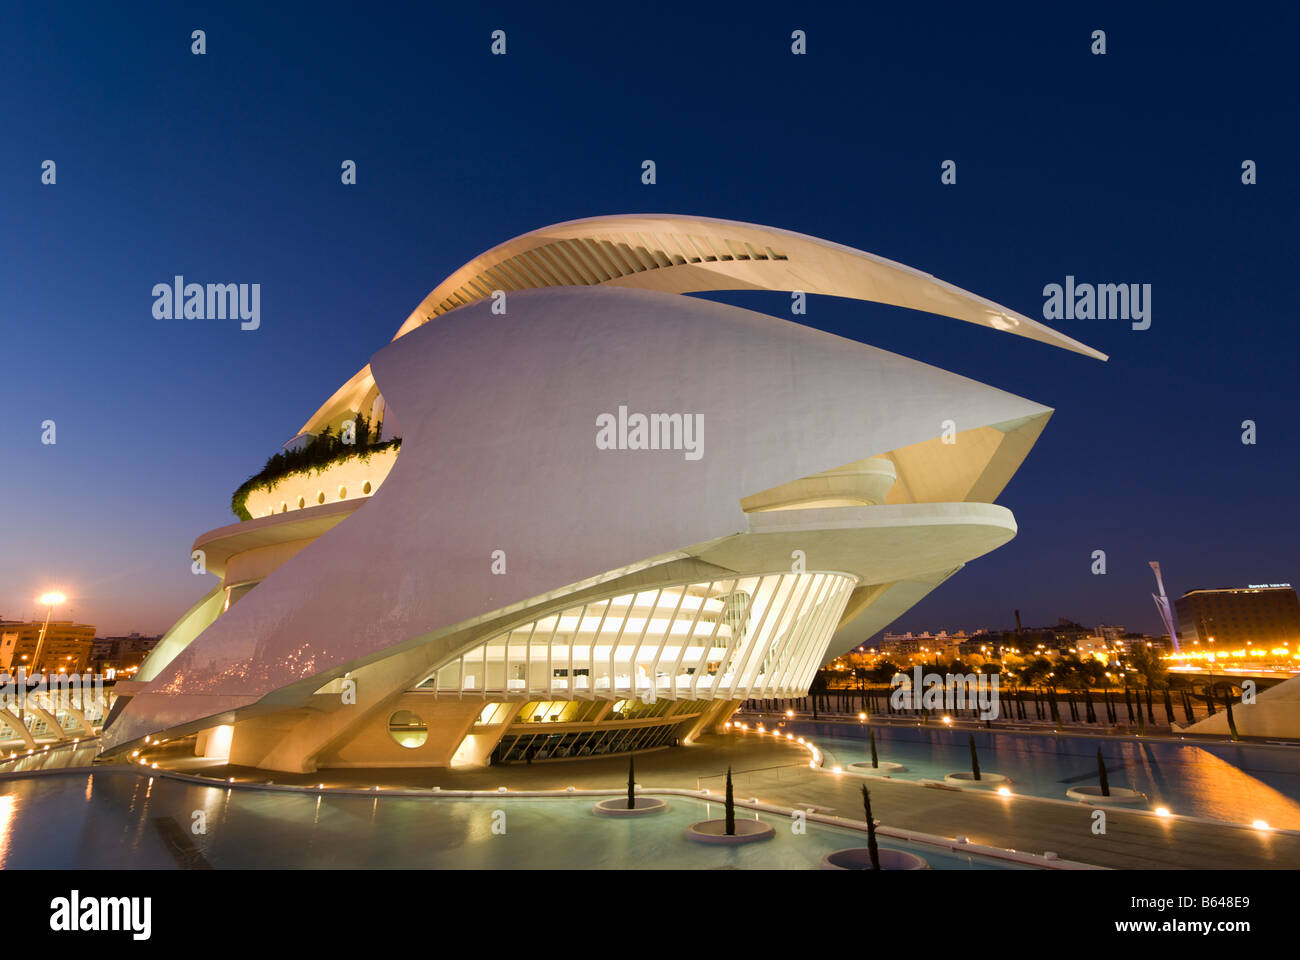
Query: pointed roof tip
{"type": "Point", "coordinates": [691, 254]}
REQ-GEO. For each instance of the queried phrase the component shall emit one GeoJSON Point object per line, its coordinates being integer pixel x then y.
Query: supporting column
{"type": "Point", "coordinates": [712, 719]}
{"type": "Point", "coordinates": [17, 726]}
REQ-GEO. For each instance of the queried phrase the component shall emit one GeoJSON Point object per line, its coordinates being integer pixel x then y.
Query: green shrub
{"type": "Point", "coordinates": [319, 455]}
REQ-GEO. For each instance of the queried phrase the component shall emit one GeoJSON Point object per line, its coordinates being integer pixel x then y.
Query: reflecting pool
{"type": "Point", "coordinates": [1235, 783]}
{"type": "Point", "coordinates": [123, 820]}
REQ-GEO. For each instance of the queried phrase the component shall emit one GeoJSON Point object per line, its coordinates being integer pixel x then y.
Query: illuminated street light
{"type": "Point", "coordinates": [50, 600]}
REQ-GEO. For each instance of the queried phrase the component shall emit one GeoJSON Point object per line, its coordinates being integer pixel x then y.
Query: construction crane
{"type": "Point", "coordinates": [1162, 606]}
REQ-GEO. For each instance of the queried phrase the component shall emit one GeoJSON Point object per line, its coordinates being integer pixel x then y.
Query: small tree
{"type": "Point", "coordinates": [872, 849]}
{"type": "Point", "coordinates": [1101, 774]}
{"type": "Point", "coordinates": [875, 760]}
{"type": "Point", "coordinates": [1151, 670]}
{"type": "Point", "coordinates": [974, 759]}
{"type": "Point", "coordinates": [730, 807]}
{"type": "Point", "coordinates": [631, 782]}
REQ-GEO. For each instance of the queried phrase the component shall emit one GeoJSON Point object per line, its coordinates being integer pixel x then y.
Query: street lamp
{"type": "Point", "coordinates": [49, 599]}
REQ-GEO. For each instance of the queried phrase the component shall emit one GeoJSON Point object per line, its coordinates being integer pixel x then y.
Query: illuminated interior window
{"type": "Point", "coordinates": [407, 729]}
{"type": "Point", "coordinates": [495, 713]}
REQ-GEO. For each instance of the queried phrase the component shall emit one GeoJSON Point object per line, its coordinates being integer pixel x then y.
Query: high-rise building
{"type": "Point", "coordinates": [1264, 613]}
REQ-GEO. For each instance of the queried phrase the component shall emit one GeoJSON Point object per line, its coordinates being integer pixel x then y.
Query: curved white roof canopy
{"type": "Point", "coordinates": [677, 254]}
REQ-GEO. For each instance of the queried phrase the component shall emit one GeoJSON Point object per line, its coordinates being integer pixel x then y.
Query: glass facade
{"type": "Point", "coordinates": [758, 636]}
{"type": "Point", "coordinates": [526, 746]}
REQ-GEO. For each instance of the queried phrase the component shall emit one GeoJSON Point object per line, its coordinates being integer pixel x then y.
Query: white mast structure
{"type": "Point", "coordinates": [1162, 605]}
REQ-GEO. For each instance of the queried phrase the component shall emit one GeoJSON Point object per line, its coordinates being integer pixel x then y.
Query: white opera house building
{"type": "Point", "coordinates": [614, 512]}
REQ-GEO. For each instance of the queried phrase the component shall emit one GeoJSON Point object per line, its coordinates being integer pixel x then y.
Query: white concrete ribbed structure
{"type": "Point", "coordinates": [721, 639]}
{"type": "Point", "coordinates": [823, 496]}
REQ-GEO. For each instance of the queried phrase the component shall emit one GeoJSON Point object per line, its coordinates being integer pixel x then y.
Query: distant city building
{"type": "Point", "coordinates": [1160, 644]}
{"type": "Point", "coordinates": [1036, 641]}
{"type": "Point", "coordinates": [1064, 638]}
{"type": "Point", "coordinates": [899, 645]}
{"type": "Point", "coordinates": [66, 648]}
{"type": "Point", "coordinates": [1265, 614]}
{"type": "Point", "coordinates": [1094, 646]}
{"type": "Point", "coordinates": [1130, 640]}
{"type": "Point", "coordinates": [982, 645]}
{"type": "Point", "coordinates": [120, 654]}
{"type": "Point", "coordinates": [943, 643]}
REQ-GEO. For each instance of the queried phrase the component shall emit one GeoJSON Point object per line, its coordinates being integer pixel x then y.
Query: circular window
{"type": "Point", "coordinates": [302, 502]}
{"type": "Point", "coordinates": [407, 729]}
{"type": "Point", "coordinates": [343, 493]}
{"type": "Point", "coordinates": [366, 487]}
{"type": "Point", "coordinates": [320, 496]}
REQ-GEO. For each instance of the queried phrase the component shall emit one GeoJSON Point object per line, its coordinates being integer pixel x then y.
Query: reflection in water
{"type": "Point", "coordinates": [8, 814]}
{"type": "Point", "coordinates": [78, 754]}
{"type": "Point", "coordinates": [1235, 783]}
{"type": "Point", "coordinates": [1209, 786]}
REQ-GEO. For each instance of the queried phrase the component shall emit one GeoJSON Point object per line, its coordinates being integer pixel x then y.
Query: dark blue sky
{"type": "Point", "coordinates": [225, 168]}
